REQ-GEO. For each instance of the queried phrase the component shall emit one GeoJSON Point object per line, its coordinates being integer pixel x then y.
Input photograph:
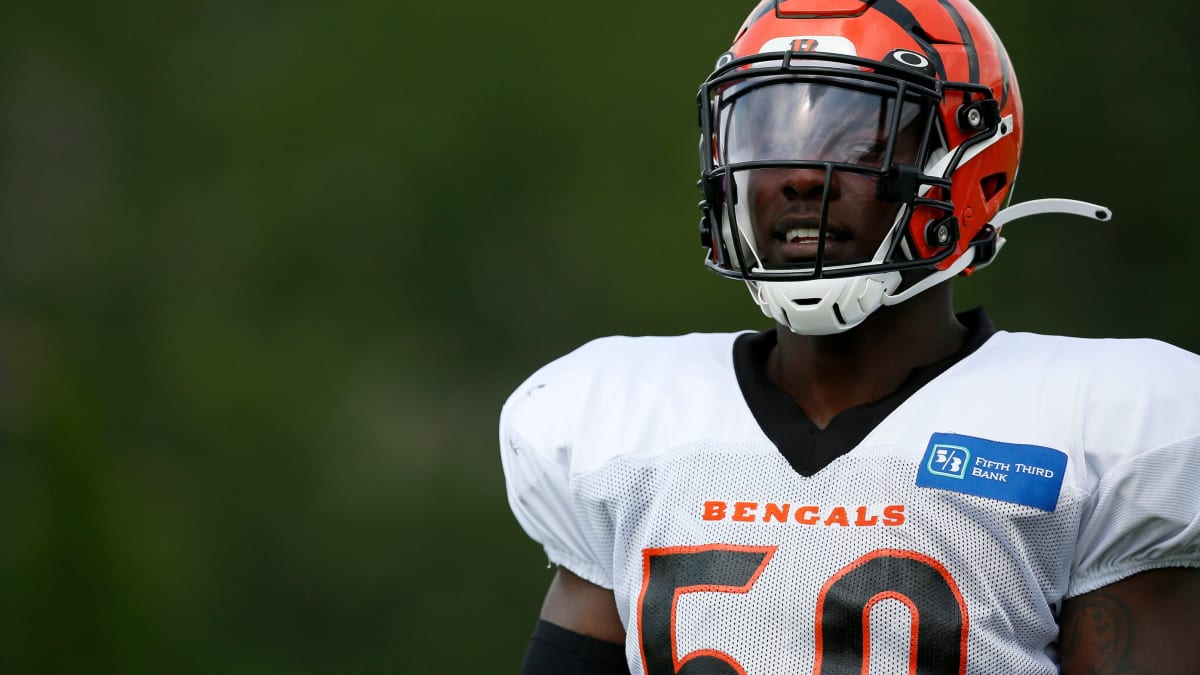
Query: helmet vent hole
{"type": "Point", "coordinates": [805, 302]}
{"type": "Point", "coordinates": [992, 185]}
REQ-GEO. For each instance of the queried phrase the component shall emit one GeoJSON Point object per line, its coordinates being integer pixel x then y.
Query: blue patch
{"type": "Point", "coordinates": [1022, 474]}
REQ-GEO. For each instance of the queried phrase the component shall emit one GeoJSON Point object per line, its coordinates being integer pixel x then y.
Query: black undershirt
{"type": "Point", "coordinates": [807, 447]}
{"type": "Point", "coordinates": [555, 650]}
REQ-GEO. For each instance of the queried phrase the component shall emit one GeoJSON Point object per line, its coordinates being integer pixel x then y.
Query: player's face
{"type": "Point", "coordinates": [820, 124]}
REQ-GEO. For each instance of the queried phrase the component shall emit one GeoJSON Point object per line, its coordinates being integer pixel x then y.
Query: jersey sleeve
{"type": "Point", "coordinates": [1144, 510]}
{"type": "Point", "coordinates": [535, 451]}
{"type": "Point", "coordinates": [1144, 515]}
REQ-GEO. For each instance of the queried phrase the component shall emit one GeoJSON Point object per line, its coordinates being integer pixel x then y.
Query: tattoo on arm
{"type": "Point", "coordinates": [1095, 636]}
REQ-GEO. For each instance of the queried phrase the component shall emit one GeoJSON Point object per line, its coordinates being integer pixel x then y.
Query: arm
{"type": "Point", "coordinates": [583, 607]}
{"type": "Point", "coordinates": [579, 631]}
{"type": "Point", "coordinates": [1143, 624]}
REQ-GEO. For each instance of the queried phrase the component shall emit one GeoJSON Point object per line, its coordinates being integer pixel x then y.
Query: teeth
{"type": "Point", "coordinates": [803, 233]}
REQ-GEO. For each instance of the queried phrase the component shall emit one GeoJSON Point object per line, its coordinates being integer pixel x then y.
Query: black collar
{"type": "Point", "coordinates": [805, 446]}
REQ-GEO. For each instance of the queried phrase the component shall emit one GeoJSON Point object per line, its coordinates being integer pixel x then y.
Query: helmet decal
{"type": "Point", "coordinates": [905, 19]}
{"type": "Point", "coordinates": [968, 43]}
{"type": "Point", "coordinates": [912, 60]}
{"type": "Point", "coordinates": [759, 12]}
{"type": "Point", "coordinates": [1006, 71]}
{"type": "Point", "coordinates": [827, 44]}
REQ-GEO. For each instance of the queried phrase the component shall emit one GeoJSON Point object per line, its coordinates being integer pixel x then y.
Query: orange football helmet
{"type": "Point", "coordinates": [917, 97]}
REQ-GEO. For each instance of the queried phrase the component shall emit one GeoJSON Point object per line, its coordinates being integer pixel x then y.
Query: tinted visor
{"type": "Point", "coordinates": [790, 120]}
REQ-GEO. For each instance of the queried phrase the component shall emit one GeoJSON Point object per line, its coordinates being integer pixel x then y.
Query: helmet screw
{"type": "Point", "coordinates": [974, 118]}
{"type": "Point", "coordinates": [939, 233]}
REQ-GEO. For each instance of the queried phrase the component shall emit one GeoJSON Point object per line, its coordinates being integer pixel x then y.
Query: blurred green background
{"type": "Point", "coordinates": [269, 269]}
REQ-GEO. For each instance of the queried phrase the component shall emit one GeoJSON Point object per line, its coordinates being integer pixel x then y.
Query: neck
{"type": "Point", "coordinates": [827, 374]}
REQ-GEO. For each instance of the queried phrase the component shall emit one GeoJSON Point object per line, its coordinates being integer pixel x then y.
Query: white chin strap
{"type": "Point", "coordinates": [1037, 207]}
{"type": "Point", "coordinates": [827, 306]}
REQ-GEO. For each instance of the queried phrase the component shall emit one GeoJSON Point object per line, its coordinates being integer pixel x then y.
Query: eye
{"type": "Point", "coordinates": [862, 151]}
{"type": "Point", "coordinates": [866, 150]}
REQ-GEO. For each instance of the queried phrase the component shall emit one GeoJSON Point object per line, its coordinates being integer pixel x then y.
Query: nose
{"type": "Point", "coordinates": [808, 184]}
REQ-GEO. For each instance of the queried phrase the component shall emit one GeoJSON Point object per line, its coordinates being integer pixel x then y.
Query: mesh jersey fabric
{"type": "Point", "coordinates": [637, 464]}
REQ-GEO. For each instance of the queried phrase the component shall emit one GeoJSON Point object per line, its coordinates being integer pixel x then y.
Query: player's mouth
{"type": "Point", "coordinates": [797, 240]}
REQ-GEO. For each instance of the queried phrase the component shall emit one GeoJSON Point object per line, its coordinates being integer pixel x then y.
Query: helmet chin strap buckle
{"type": "Point", "coordinates": [1037, 207]}
{"type": "Point", "coordinates": [986, 245]}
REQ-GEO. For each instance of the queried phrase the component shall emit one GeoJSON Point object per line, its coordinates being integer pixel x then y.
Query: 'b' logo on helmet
{"type": "Point", "coordinates": [826, 44]}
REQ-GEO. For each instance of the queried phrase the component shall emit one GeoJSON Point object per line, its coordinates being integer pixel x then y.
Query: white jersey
{"type": "Point", "coordinates": [1034, 469]}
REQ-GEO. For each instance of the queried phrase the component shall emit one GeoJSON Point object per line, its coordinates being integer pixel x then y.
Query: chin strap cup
{"type": "Point", "coordinates": [1038, 207]}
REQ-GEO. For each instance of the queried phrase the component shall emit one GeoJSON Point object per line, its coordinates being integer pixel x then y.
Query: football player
{"type": "Point", "coordinates": [878, 484]}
